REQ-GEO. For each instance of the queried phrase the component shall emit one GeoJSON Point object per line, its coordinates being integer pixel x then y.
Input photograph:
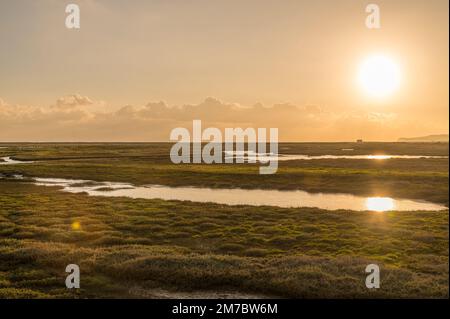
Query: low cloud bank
{"type": "Point", "coordinates": [80, 118]}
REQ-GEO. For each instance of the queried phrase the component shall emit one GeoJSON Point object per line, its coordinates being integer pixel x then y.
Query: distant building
{"type": "Point", "coordinates": [359, 141]}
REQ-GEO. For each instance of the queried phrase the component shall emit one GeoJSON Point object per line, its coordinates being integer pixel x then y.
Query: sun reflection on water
{"type": "Point", "coordinates": [380, 204]}
{"type": "Point", "coordinates": [379, 157]}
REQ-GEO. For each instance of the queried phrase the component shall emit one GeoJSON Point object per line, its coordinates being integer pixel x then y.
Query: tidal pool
{"type": "Point", "coordinates": [264, 157]}
{"type": "Point", "coordinates": [10, 161]}
{"type": "Point", "coordinates": [253, 197]}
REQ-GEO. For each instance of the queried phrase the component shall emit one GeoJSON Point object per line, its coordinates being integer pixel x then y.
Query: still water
{"type": "Point", "coordinates": [264, 157]}
{"type": "Point", "coordinates": [10, 161]}
{"type": "Point", "coordinates": [254, 197]}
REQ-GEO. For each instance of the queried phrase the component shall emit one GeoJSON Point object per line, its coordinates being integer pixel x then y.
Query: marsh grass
{"type": "Point", "coordinates": [124, 243]}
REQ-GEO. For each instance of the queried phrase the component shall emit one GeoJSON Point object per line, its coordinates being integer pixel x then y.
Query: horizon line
{"type": "Point", "coordinates": [205, 142]}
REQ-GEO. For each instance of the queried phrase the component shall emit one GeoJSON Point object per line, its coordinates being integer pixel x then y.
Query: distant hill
{"type": "Point", "coordinates": [428, 138]}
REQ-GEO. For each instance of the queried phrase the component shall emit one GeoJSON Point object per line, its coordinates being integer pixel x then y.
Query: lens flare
{"type": "Point", "coordinates": [76, 225]}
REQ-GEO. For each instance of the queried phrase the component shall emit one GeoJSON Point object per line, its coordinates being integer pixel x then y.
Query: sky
{"type": "Point", "coordinates": [137, 69]}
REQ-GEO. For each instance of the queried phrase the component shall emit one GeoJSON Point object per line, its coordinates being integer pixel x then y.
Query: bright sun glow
{"type": "Point", "coordinates": [380, 204]}
{"type": "Point", "coordinates": [379, 76]}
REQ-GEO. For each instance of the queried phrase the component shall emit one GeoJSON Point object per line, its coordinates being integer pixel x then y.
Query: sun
{"type": "Point", "coordinates": [379, 76]}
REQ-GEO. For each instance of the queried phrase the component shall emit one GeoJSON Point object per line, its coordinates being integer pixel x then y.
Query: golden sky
{"type": "Point", "coordinates": [137, 69]}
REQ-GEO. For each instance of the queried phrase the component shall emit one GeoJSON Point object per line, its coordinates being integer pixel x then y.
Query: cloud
{"type": "Point", "coordinates": [73, 101]}
{"type": "Point", "coordinates": [70, 120]}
